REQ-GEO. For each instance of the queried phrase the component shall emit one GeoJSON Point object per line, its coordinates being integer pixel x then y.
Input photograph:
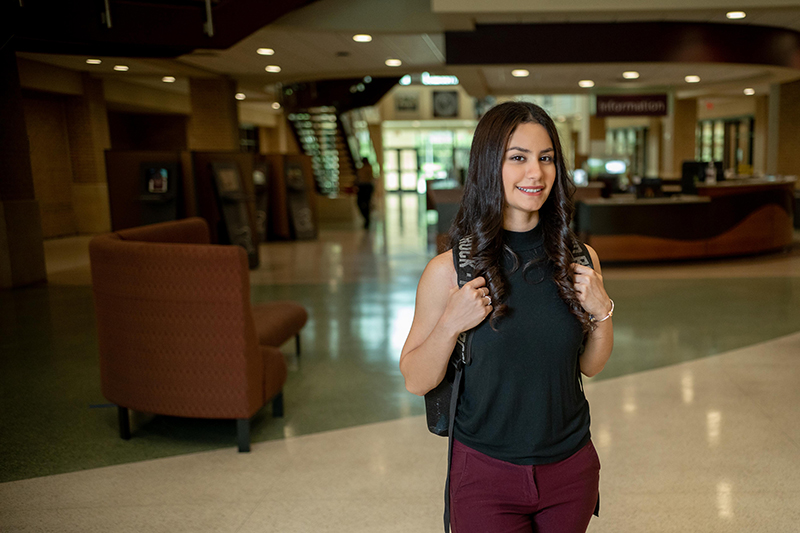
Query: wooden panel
{"type": "Point", "coordinates": [723, 190]}
{"type": "Point", "coordinates": [278, 216]}
{"type": "Point", "coordinates": [769, 228]}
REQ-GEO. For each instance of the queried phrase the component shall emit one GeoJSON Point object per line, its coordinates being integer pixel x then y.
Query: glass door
{"type": "Point", "coordinates": [391, 170]}
{"type": "Point", "coordinates": [409, 169]}
{"type": "Point", "coordinates": [401, 170]}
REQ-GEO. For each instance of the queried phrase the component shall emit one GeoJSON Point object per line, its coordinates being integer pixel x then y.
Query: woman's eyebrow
{"type": "Point", "coordinates": [525, 150]}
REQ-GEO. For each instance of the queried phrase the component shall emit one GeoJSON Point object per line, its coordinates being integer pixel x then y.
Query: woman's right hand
{"type": "Point", "coordinates": [442, 311]}
{"type": "Point", "coordinates": [467, 306]}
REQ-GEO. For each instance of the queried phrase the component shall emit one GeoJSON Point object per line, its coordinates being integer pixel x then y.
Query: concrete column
{"type": "Point", "coordinates": [287, 144]}
{"type": "Point", "coordinates": [21, 248]}
{"type": "Point", "coordinates": [214, 123]}
{"type": "Point", "coordinates": [760, 134]}
{"type": "Point", "coordinates": [583, 133]}
{"type": "Point", "coordinates": [788, 160]}
{"type": "Point", "coordinates": [89, 138]}
{"type": "Point", "coordinates": [654, 135]}
{"type": "Point", "coordinates": [684, 127]}
{"type": "Point", "coordinates": [773, 126]}
{"type": "Point", "coordinates": [597, 128]}
{"type": "Point", "coordinates": [597, 136]}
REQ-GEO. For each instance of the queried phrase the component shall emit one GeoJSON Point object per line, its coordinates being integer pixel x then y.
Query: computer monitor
{"type": "Point", "coordinates": [649, 188]}
{"type": "Point", "coordinates": [694, 172]}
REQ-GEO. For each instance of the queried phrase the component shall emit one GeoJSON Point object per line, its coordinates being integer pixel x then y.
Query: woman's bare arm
{"type": "Point", "coordinates": [442, 312]}
{"type": "Point", "coordinates": [595, 300]}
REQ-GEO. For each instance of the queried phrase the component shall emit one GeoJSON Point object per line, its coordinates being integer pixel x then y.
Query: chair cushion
{"type": "Point", "coordinates": [274, 371]}
{"type": "Point", "coordinates": [277, 322]}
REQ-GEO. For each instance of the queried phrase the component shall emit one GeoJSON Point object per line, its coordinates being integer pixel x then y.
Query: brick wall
{"type": "Point", "coordinates": [214, 123]}
{"type": "Point", "coordinates": [789, 129]}
{"type": "Point", "coordinates": [68, 137]}
{"type": "Point", "coordinates": [683, 133]}
{"type": "Point", "coordinates": [88, 132]}
{"type": "Point", "coordinates": [51, 167]}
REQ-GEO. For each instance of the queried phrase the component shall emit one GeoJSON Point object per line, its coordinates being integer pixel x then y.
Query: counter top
{"type": "Point", "coordinates": [632, 200]}
{"type": "Point", "coordinates": [749, 182]}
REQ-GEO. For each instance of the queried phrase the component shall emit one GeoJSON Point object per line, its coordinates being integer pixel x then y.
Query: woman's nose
{"type": "Point", "coordinates": [534, 170]}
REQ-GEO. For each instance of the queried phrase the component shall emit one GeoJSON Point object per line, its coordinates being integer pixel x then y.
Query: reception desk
{"type": "Point", "coordinates": [734, 217]}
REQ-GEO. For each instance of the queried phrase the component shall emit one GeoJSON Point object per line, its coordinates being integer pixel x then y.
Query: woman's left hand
{"type": "Point", "coordinates": [591, 293]}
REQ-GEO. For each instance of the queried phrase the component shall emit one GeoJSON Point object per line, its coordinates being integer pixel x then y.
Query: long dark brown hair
{"type": "Point", "coordinates": [482, 207]}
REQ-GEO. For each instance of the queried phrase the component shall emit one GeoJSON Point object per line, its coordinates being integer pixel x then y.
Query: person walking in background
{"type": "Point", "coordinates": [365, 182]}
{"type": "Point", "coordinates": [522, 456]}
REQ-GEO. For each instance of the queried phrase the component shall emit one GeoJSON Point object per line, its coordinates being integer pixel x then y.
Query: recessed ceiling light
{"type": "Point", "coordinates": [93, 61]}
{"type": "Point", "coordinates": [362, 38]}
{"type": "Point", "coordinates": [586, 83]}
{"type": "Point", "coordinates": [265, 51]}
{"type": "Point", "coordinates": [121, 68]}
{"type": "Point", "coordinates": [734, 15]}
{"type": "Point", "coordinates": [749, 91]}
{"type": "Point", "coordinates": [630, 75]}
{"type": "Point", "coordinates": [520, 73]}
{"type": "Point", "coordinates": [393, 63]}
{"type": "Point", "coordinates": [692, 79]}
{"type": "Point", "coordinates": [272, 68]}
{"type": "Point", "coordinates": [240, 96]}
{"type": "Point", "coordinates": [168, 79]}
{"type": "Point", "coordinates": [276, 105]}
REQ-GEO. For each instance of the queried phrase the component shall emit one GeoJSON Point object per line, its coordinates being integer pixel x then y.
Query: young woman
{"type": "Point", "coordinates": [522, 454]}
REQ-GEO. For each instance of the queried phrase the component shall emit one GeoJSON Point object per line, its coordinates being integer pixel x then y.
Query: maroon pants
{"type": "Point", "coordinates": [489, 495]}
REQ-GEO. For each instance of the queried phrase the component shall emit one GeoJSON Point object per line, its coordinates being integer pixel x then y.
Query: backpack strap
{"type": "Point", "coordinates": [465, 271]}
{"type": "Point", "coordinates": [580, 255]}
{"type": "Point", "coordinates": [462, 356]}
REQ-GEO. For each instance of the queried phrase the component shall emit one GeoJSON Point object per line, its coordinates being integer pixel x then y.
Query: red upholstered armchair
{"type": "Point", "coordinates": [177, 334]}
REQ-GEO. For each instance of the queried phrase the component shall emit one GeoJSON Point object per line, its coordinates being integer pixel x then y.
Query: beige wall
{"type": "Point", "coordinates": [424, 94]}
{"type": "Point", "coordinates": [47, 78]}
{"type": "Point", "coordinates": [89, 138]}
{"type": "Point", "coordinates": [258, 114]}
{"type": "Point", "coordinates": [789, 129]}
{"type": "Point", "coordinates": [21, 249]}
{"type": "Point", "coordinates": [214, 122]}
{"type": "Point", "coordinates": [68, 131]}
{"type": "Point", "coordinates": [726, 107]}
{"type": "Point", "coordinates": [124, 95]}
{"type": "Point", "coordinates": [51, 165]}
{"type": "Point", "coordinates": [760, 135]}
{"type": "Point", "coordinates": [684, 126]}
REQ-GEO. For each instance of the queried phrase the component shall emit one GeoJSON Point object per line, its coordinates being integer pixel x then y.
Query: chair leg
{"type": "Point", "coordinates": [124, 423]}
{"type": "Point", "coordinates": [243, 434]}
{"type": "Point", "coordinates": [277, 405]}
{"type": "Point", "coordinates": [297, 342]}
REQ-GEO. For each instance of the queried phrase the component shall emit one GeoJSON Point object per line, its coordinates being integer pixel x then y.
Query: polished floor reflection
{"type": "Point", "coordinates": [695, 417]}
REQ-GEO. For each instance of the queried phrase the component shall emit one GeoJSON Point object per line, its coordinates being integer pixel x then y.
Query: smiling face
{"type": "Point", "coordinates": [529, 172]}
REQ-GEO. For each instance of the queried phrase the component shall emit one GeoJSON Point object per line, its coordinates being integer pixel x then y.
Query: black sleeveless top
{"type": "Point", "coordinates": [522, 399]}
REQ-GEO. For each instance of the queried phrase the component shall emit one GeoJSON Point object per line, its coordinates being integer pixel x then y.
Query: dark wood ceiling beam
{"type": "Point", "coordinates": [139, 29]}
{"type": "Point", "coordinates": [641, 42]}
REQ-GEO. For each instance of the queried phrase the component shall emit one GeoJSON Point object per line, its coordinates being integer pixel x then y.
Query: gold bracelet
{"type": "Point", "coordinates": [609, 315]}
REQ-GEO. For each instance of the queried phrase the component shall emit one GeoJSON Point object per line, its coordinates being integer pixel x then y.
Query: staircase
{"type": "Point", "coordinates": [320, 134]}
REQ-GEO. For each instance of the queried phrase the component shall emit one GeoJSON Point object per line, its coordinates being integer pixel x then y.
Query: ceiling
{"type": "Point", "coordinates": [315, 42]}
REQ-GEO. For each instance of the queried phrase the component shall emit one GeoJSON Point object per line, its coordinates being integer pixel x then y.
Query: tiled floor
{"type": "Point", "coordinates": [695, 418]}
{"type": "Point", "coordinates": [711, 445]}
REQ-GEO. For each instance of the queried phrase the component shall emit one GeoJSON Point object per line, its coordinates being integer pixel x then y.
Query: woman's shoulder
{"type": "Point", "coordinates": [441, 270]}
